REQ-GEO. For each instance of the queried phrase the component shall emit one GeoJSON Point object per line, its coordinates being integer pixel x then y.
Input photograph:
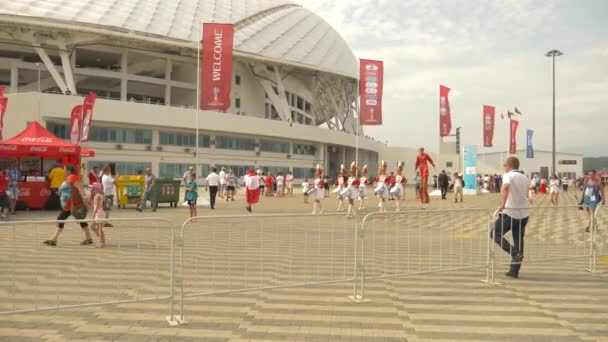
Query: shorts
{"type": "Point", "coordinates": [326, 186]}
{"type": "Point", "coordinates": [4, 203]}
{"type": "Point", "coordinates": [192, 203]}
{"type": "Point", "coordinates": [222, 187]}
{"type": "Point", "coordinates": [108, 202]}
{"type": "Point", "coordinates": [230, 187]}
{"type": "Point", "coordinates": [13, 192]}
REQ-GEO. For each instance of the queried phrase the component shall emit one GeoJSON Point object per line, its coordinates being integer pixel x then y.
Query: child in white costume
{"type": "Point", "coordinates": [351, 191]}
{"type": "Point", "coordinates": [363, 182]}
{"type": "Point", "coordinates": [398, 189]}
{"type": "Point", "coordinates": [381, 185]}
{"type": "Point", "coordinates": [340, 186]}
{"type": "Point", "coordinates": [319, 192]}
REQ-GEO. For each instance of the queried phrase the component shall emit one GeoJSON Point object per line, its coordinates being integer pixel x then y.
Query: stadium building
{"type": "Point", "coordinates": [293, 85]}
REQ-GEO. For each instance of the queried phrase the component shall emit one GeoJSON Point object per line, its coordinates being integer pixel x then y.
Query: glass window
{"type": "Point", "coordinates": [168, 170]}
{"type": "Point", "coordinates": [274, 146]}
{"type": "Point", "coordinates": [123, 168]}
{"type": "Point", "coordinates": [275, 169]}
{"type": "Point", "coordinates": [237, 79]}
{"type": "Point", "coordinates": [301, 149]}
{"type": "Point", "coordinates": [237, 102]}
{"type": "Point", "coordinates": [307, 107]}
{"type": "Point", "coordinates": [308, 121]}
{"type": "Point", "coordinates": [302, 172]}
{"type": "Point", "coordinates": [239, 170]}
{"type": "Point", "coordinates": [300, 103]}
{"type": "Point", "coordinates": [230, 143]}
{"type": "Point", "coordinates": [121, 135]}
{"type": "Point", "coordinates": [59, 130]}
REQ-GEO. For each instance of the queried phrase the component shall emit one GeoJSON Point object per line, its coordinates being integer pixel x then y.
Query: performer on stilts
{"type": "Point", "coordinates": [351, 191]}
{"type": "Point", "coordinates": [398, 190]}
{"type": "Point", "coordinates": [319, 191]}
{"type": "Point", "coordinates": [422, 164]}
{"type": "Point", "coordinates": [340, 186]}
{"type": "Point", "coordinates": [252, 189]}
{"type": "Point", "coordinates": [381, 186]}
{"type": "Point", "coordinates": [363, 182]}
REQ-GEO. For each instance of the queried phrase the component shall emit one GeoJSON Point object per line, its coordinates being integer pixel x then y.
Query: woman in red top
{"type": "Point", "coordinates": [72, 195]}
{"type": "Point", "coordinates": [422, 164]}
{"type": "Point", "coordinates": [269, 181]}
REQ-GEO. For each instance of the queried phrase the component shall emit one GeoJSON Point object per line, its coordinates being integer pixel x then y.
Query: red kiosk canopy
{"type": "Point", "coordinates": [36, 141]}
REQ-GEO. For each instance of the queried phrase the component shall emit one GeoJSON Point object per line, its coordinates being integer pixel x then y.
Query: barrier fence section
{"type": "Point", "coordinates": [550, 234]}
{"type": "Point", "coordinates": [135, 265]}
{"type": "Point", "coordinates": [230, 254]}
{"type": "Point", "coordinates": [395, 244]}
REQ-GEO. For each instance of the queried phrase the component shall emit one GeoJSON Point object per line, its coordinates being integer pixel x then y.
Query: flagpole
{"type": "Point", "coordinates": [198, 94]}
{"type": "Point", "coordinates": [358, 124]}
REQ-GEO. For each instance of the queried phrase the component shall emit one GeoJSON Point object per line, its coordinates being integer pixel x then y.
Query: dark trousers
{"type": "Point", "coordinates": [63, 215]}
{"type": "Point", "coordinates": [444, 190]}
{"type": "Point", "coordinates": [212, 195]}
{"type": "Point", "coordinates": [503, 225]}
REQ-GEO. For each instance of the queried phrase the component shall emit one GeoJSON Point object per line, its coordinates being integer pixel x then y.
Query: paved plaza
{"type": "Point", "coordinates": [308, 264]}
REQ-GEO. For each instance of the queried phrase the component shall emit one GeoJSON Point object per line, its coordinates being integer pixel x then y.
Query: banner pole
{"type": "Point", "coordinates": [358, 124]}
{"type": "Point", "coordinates": [198, 95]}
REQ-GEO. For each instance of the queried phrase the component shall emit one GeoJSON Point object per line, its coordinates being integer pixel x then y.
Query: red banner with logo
{"type": "Point", "coordinates": [489, 113]}
{"type": "Point", "coordinates": [371, 78]}
{"type": "Point", "coordinates": [513, 138]}
{"type": "Point", "coordinates": [3, 105]}
{"type": "Point", "coordinates": [87, 117]}
{"type": "Point", "coordinates": [76, 124]}
{"type": "Point", "coordinates": [445, 114]}
{"type": "Point", "coordinates": [216, 66]}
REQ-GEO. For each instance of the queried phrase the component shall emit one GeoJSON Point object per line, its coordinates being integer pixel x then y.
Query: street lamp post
{"type": "Point", "coordinates": [553, 53]}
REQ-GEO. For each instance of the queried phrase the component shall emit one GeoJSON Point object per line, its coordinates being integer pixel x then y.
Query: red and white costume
{"type": "Point", "coordinates": [319, 190]}
{"type": "Point", "coordinates": [381, 185]}
{"type": "Point", "coordinates": [363, 183]}
{"type": "Point", "coordinates": [340, 187]}
{"type": "Point", "coordinates": [351, 192]}
{"type": "Point", "coordinates": [252, 188]}
{"type": "Point", "coordinates": [399, 188]}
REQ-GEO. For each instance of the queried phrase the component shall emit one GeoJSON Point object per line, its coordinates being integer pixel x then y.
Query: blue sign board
{"type": "Point", "coordinates": [470, 167]}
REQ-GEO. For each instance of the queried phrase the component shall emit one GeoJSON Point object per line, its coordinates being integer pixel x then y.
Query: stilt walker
{"type": "Point", "coordinates": [351, 192]}
{"type": "Point", "coordinates": [319, 191]}
{"type": "Point", "coordinates": [398, 189]}
{"type": "Point", "coordinates": [340, 186]}
{"type": "Point", "coordinates": [363, 182]}
{"type": "Point", "coordinates": [381, 185]}
{"type": "Point", "coordinates": [422, 164]}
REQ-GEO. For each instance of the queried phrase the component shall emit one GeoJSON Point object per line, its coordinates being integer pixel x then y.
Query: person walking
{"type": "Point", "coordinates": [192, 194]}
{"type": "Point", "coordinates": [594, 193]}
{"type": "Point", "coordinates": [213, 182]}
{"type": "Point", "coordinates": [417, 184]}
{"type": "Point", "coordinates": [108, 183]}
{"type": "Point", "coordinates": [4, 200]}
{"type": "Point", "coordinates": [93, 175]}
{"type": "Point", "coordinates": [289, 183]}
{"type": "Point", "coordinates": [269, 181]}
{"type": "Point", "coordinates": [186, 180]}
{"type": "Point", "coordinates": [252, 189]}
{"type": "Point", "coordinates": [262, 181]}
{"type": "Point", "coordinates": [14, 176]}
{"type": "Point", "coordinates": [222, 189]}
{"type": "Point", "coordinates": [513, 216]}
{"type": "Point", "coordinates": [56, 177]}
{"type": "Point", "coordinates": [230, 185]}
{"type": "Point", "coordinates": [443, 184]}
{"type": "Point", "coordinates": [72, 200]}
{"type": "Point", "coordinates": [554, 189]}
{"type": "Point", "coordinates": [97, 195]}
{"type": "Point", "coordinates": [458, 187]}
{"type": "Point", "coordinates": [149, 193]}
{"type": "Point", "coordinates": [280, 184]}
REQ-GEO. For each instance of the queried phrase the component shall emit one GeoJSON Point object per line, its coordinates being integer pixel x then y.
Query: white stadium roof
{"type": "Point", "coordinates": [271, 29]}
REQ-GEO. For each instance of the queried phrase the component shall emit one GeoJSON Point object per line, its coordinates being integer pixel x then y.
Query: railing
{"type": "Point", "coordinates": [135, 265]}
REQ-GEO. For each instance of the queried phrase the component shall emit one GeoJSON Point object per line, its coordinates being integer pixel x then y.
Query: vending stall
{"type": "Point", "coordinates": [36, 151]}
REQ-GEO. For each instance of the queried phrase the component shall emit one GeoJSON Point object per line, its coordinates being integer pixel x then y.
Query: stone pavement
{"type": "Point", "coordinates": [552, 301]}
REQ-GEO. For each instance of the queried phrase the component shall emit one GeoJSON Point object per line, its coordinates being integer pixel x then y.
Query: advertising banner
{"type": "Point", "coordinates": [445, 115]}
{"type": "Point", "coordinates": [470, 168]}
{"type": "Point", "coordinates": [529, 147]}
{"type": "Point", "coordinates": [371, 78]}
{"type": "Point", "coordinates": [76, 124]}
{"type": "Point", "coordinates": [87, 116]}
{"type": "Point", "coordinates": [3, 105]}
{"type": "Point", "coordinates": [216, 66]}
{"type": "Point", "coordinates": [513, 136]}
{"type": "Point", "coordinates": [488, 125]}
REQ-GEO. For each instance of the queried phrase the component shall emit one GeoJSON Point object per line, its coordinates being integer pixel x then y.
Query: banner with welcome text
{"type": "Point", "coordinates": [216, 66]}
{"type": "Point", "coordinates": [76, 125]}
{"type": "Point", "coordinates": [489, 113]}
{"type": "Point", "coordinates": [445, 114]}
{"type": "Point", "coordinates": [87, 117]}
{"type": "Point", "coordinates": [513, 136]}
{"type": "Point", "coordinates": [371, 78]}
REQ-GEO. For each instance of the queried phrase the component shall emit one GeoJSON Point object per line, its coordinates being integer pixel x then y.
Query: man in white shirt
{"type": "Point", "coordinates": [223, 182]}
{"type": "Point", "coordinates": [289, 183]}
{"type": "Point", "coordinates": [280, 184]}
{"type": "Point", "coordinates": [213, 182]}
{"type": "Point", "coordinates": [108, 183]}
{"type": "Point", "coordinates": [514, 214]}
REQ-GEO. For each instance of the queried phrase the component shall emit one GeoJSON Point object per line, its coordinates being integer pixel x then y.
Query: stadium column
{"type": "Point", "coordinates": [14, 77]}
{"type": "Point", "coordinates": [123, 75]}
{"type": "Point", "coordinates": [168, 71]}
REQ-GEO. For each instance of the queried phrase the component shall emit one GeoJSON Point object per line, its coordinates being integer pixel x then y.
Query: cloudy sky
{"type": "Point", "coordinates": [487, 52]}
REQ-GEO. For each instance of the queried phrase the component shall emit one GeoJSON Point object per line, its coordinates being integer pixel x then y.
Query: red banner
{"type": "Point", "coordinates": [488, 125]}
{"type": "Point", "coordinates": [2, 89]}
{"type": "Point", "coordinates": [76, 125]}
{"type": "Point", "coordinates": [371, 78]}
{"type": "Point", "coordinates": [513, 139]}
{"type": "Point", "coordinates": [216, 66]}
{"type": "Point", "coordinates": [87, 117]}
{"type": "Point", "coordinates": [445, 115]}
{"type": "Point", "coordinates": [3, 105]}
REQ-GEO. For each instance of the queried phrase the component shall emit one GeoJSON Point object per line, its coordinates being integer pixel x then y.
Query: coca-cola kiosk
{"type": "Point", "coordinates": [36, 151]}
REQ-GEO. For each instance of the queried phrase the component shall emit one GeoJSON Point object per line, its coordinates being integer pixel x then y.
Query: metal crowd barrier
{"type": "Point", "coordinates": [134, 266]}
{"type": "Point", "coordinates": [235, 254]}
{"type": "Point", "coordinates": [395, 244]}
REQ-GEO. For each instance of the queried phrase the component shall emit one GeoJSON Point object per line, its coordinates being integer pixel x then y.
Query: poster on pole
{"type": "Point", "coordinates": [470, 169]}
{"type": "Point", "coordinates": [529, 147]}
{"type": "Point", "coordinates": [488, 125]}
{"type": "Point", "coordinates": [216, 66]}
{"type": "Point", "coordinates": [513, 136]}
{"type": "Point", "coordinates": [87, 116]}
{"type": "Point", "coordinates": [371, 78]}
{"type": "Point", "coordinates": [76, 125]}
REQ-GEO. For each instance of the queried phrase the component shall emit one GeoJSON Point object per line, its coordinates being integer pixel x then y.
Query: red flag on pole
{"type": "Point", "coordinates": [87, 116]}
{"type": "Point", "coordinates": [445, 119]}
{"type": "Point", "coordinates": [488, 125]}
{"type": "Point", "coordinates": [513, 138]}
{"type": "Point", "coordinates": [3, 105]}
{"type": "Point", "coordinates": [76, 124]}
{"type": "Point", "coordinates": [216, 69]}
{"type": "Point", "coordinates": [371, 78]}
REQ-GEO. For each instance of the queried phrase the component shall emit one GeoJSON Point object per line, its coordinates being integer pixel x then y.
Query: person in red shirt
{"type": "Point", "coordinates": [422, 164]}
{"type": "Point", "coordinates": [269, 181]}
{"type": "Point", "coordinates": [4, 202]}
{"type": "Point", "coordinates": [93, 176]}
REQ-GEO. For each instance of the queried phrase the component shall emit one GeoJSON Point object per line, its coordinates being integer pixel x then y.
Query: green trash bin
{"type": "Point", "coordinates": [167, 191]}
